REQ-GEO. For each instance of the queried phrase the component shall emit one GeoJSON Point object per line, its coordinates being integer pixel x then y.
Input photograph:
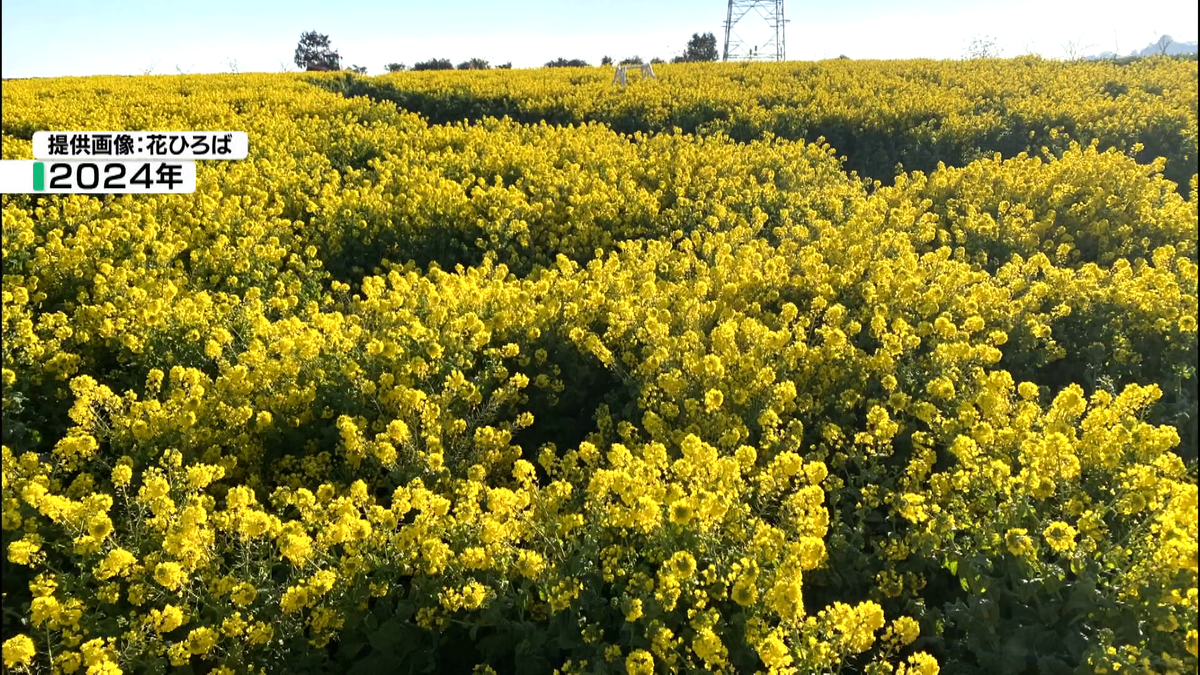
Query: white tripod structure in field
{"type": "Point", "coordinates": [619, 76]}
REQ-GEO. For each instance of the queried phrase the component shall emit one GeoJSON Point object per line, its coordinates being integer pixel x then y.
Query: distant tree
{"type": "Point", "coordinates": [1163, 44]}
{"type": "Point", "coordinates": [314, 53]}
{"type": "Point", "coordinates": [982, 47]}
{"type": "Point", "coordinates": [606, 61]}
{"type": "Point", "coordinates": [632, 61]}
{"type": "Point", "coordinates": [560, 62]}
{"type": "Point", "coordinates": [474, 64]}
{"type": "Point", "coordinates": [505, 66]}
{"type": "Point", "coordinates": [702, 47]}
{"type": "Point", "coordinates": [358, 70]}
{"type": "Point", "coordinates": [395, 67]}
{"type": "Point", "coordinates": [1074, 50]}
{"type": "Point", "coordinates": [656, 60]}
{"type": "Point", "coordinates": [843, 57]}
{"type": "Point", "coordinates": [434, 64]}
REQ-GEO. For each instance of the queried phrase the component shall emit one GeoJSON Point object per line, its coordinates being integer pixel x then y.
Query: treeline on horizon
{"type": "Point", "coordinates": [560, 62]}
{"type": "Point", "coordinates": [701, 47]}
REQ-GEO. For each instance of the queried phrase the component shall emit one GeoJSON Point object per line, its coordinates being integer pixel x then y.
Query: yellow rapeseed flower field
{"type": "Point", "coordinates": [881, 367]}
{"type": "Point", "coordinates": [879, 113]}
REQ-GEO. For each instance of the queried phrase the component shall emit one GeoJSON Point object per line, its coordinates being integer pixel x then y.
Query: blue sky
{"type": "Point", "coordinates": [87, 37]}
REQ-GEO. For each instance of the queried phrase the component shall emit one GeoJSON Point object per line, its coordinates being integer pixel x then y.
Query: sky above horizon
{"type": "Point", "coordinates": [92, 37]}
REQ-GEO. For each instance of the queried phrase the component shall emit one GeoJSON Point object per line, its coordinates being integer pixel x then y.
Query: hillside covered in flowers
{"type": "Point", "coordinates": [855, 367]}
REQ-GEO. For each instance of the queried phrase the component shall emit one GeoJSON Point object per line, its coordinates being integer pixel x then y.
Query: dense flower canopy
{"type": "Point", "coordinates": [636, 380]}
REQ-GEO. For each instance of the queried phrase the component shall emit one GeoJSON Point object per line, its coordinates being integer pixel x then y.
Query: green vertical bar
{"type": "Point", "coordinates": [39, 176]}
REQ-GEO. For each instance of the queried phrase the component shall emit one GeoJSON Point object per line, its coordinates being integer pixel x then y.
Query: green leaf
{"type": "Point", "coordinates": [404, 611]}
{"type": "Point", "coordinates": [388, 638]}
{"type": "Point", "coordinates": [1049, 665]}
{"type": "Point", "coordinates": [375, 663]}
{"type": "Point", "coordinates": [352, 649]}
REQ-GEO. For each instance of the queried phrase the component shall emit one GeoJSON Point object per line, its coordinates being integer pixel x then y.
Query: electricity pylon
{"type": "Point", "coordinates": [774, 49]}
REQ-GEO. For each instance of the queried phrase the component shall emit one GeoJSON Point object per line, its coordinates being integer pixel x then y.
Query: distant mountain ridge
{"type": "Point", "coordinates": [1164, 45]}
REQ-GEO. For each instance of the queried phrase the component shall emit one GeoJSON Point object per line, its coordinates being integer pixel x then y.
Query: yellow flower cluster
{"type": "Point", "coordinates": [878, 113]}
{"type": "Point", "coordinates": [395, 394]}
